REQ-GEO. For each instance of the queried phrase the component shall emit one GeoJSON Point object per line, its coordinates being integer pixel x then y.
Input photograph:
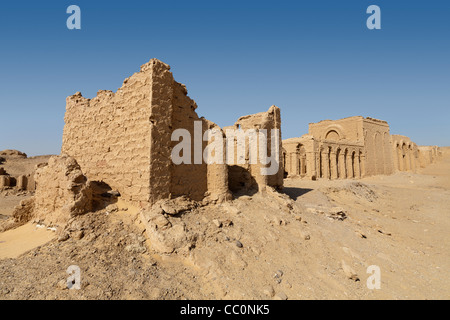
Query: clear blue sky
{"type": "Point", "coordinates": [314, 59]}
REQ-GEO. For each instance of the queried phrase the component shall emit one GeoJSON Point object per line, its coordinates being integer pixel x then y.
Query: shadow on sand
{"type": "Point", "coordinates": [294, 193]}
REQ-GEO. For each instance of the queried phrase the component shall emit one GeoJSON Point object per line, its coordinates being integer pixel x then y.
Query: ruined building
{"type": "Point", "coordinates": [17, 170]}
{"type": "Point", "coordinates": [244, 174]}
{"type": "Point", "coordinates": [352, 147]}
{"type": "Point", "coordinates": [405, 153]}
{"type": "Point", "coordinates": [124, 139]}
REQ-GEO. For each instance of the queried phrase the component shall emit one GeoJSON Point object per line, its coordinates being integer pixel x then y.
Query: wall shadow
{"type": "Point", "coordinates": [241, 182]}
{"type": "Point", "coordinates": [294, 193]}
{"type": "Point", "coordinates": [102, 195]}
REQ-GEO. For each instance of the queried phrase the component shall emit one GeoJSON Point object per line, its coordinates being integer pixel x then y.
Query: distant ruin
{"type": "Point", "coordinates": [20, 177]}
{"type": "Point", "coordinates": [353, 147]}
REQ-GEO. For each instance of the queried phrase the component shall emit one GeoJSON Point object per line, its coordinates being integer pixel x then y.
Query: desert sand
{"type": "Point", "coordinates": [253, 247]}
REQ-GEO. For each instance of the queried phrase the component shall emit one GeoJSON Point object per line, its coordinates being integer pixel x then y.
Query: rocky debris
{"type": "Point", "coordinates": [165, 236]}
{"type": "Point", "coordinates": [111, 208]}
{"type": "Point", "coordinates": [357, 189]}
{"type": "Point", "coordinates": [278, 276]}
{"type": "Point", "coordinates": [361, 235]}
{"type": "Point", "coordinates": [136, 248]}
{"type": "Point", "coordinates": [268, 291]}
{"type": "Point", "coordinates": [78, 235]}
{"type": "Point", "coordinates": [63, 237]}
{"type": "Point", "coordinates": [283, 200]}
{"type": "Point", "coordinates": [237, 260]}
{"type": "Point", "coordinates": [175, 206]}
{"type": "Point", "coordinates": [227, 223]}
{"type": "Point", "coordinates": [349, 272]}
{"type": "Point", "coordinates": [24, 211]}
{"type": "Point", "coordinates": [230, 208]}
{"type": "Point", "coordinates": [386, 233]}
{"type": "Point", "coordinates": [239, 244]}
{"type": "Point", "coordinates": [336, 213]}
{"type": "Point", "coordinates": [276, 221]}
{"type": "Point", "coordinates": [62, 285]}
{"type": "Point", "coordinates": [217, 223]}
{"type": "Point", "coordinates": [305, 236]}
{"type": "Point", "coordinates": [21, 215]}
{"type": "Point", "coordinates": [2, 170]}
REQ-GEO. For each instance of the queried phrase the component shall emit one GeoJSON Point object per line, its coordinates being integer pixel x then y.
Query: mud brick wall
{"type": "Point", "coordinates": [249, 175]}
{"type": "Point", "coordinates": [110, 138]}
{"type": "Point", "coordinates": [124, 138]}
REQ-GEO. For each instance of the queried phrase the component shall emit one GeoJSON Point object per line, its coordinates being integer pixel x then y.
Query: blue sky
{"type": "Point", "coordinates": [316, 60]}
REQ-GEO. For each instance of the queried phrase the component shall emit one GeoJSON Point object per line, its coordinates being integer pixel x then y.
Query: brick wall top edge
{"type": "Point", "coordinates": [145, 68]}
{"type": "Point", "coordinates": [262, 115]}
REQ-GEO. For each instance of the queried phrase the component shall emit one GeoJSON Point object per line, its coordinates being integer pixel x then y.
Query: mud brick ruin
{"type": "Point", "coordinates": [247, 176]}
{"type": "Point", "coordinates": [123, 139]}
{"type": "Point", "coordinates": [353, 147]}
{"type": "Point", "coordinates": [121, 144]}
{"type": "Point", "coordinates": [13, 180]}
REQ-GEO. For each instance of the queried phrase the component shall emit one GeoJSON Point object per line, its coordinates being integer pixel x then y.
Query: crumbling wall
{"type": "Point", "coordinates": [405, 153]}
{"type": "Point", "coordinates": [248, 175]}
{"type": "Point", "coordinates": [300, 157]}
{"type": "Point", "coordinates": [187, 179]}
{"type": "Point", "coordinates": [110, 138]}
{"type": "Point", "coordinates": [428, 155]}
{"type": "Point", "coordinates": [377, 144]}
{"type": "Point", "coordinates": [62, 191]}
{"type": "Point", "coordinates": [124, 138]}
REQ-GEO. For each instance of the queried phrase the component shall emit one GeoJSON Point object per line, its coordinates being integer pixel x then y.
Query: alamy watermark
{"type": "Point", "coordinates": [74, 20]}
{"type": "Point", "coordinates": [374, 20]}
{"type": "Point", "coordinates": [374, 280]}
{"type": "Point", "coordinates": [74, 279]}
{"type": "Point", "coordinates": [256, 151]}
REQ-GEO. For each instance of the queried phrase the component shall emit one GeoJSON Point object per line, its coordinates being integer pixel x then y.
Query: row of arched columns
{"type": "Point", "coordinates": [405, 156]}
{"type": "Point", "coordinates": [341, 163]}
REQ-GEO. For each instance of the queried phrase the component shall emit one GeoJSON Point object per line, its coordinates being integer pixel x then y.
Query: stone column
{"type": "Point", "coordinates": [333, 168]}
{"type": "Point", "coordinates": [349, 166]}
{"type": "Point", "coordinates": [401, 160]}
{"type": "Point", "coordinates": [297, 164]}
{"type": "Point", "coordinates": [311, 165]}
{"type": "Point", "coordinates": [414, 161]}
{"type": "Point", "coordinates": [362, 165]}
{"type": "Point", "coordinates": [408, 160]}
{"type": "Point", "coordinates": [343, 174]}
{"type": "Point", "coordinates": [325, 165]}
{"type": "Point", "coordinates": [357, 167]}
{"type": "Point", "coordinates": [4, 181]}
{"type": "Point", "coordinates": [22, 183]}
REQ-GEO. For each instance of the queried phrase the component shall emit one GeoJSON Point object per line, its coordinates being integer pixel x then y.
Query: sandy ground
{"type": "Point", "coordinates": [17, 241]}
{"type": "Point", "coordinates": [320, 248]}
